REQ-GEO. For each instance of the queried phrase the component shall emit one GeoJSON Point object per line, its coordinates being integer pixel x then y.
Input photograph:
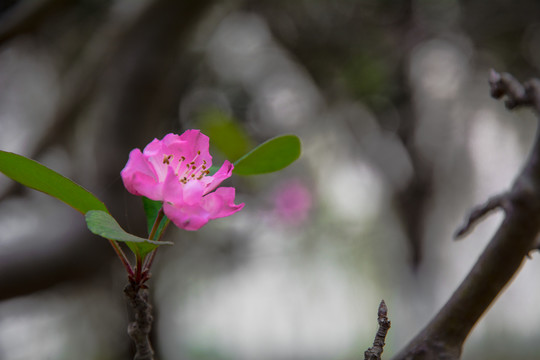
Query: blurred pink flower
{"type": "Point", "coordinates": [292, 201]}
{"type": "Point", "coordinates": [175, 170]}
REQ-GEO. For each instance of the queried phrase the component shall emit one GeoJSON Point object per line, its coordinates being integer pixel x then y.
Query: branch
{"type": "Point", "coordinates": [445, 334]}
{"type": "Point", "coordinates": [139, 330]}
{"type": "Point", "coordinates": [480, 212]}
{"type": "Point", "coordinates": [375, 352]}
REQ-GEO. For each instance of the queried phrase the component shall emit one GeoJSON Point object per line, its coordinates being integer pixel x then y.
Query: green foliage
{"type": "Point", "coordinates": [151, 209]}
{"type": "Point", "coordinates": [226, 135]}
{"type": "Point", "coordinates": [104, 225]}
{"type": "Point", "coordinates": [272, 155]}
{"type": "Point", "coordinates": [39, 177]}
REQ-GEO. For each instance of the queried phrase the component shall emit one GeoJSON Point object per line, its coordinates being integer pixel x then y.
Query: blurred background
{"type": "Point", "coordinates": [400, 139]}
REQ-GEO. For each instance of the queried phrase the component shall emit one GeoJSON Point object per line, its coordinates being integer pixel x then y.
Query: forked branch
{"type": "Point", "coordinates": [445, 334]}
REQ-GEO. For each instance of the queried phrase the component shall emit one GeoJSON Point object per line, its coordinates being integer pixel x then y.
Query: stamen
{"type": "Point", "coordinates": [192, 171]}
{"type": "Point", "coordinates": [182, 158]}
{"type": "Point", "coordinates": [166, 159]}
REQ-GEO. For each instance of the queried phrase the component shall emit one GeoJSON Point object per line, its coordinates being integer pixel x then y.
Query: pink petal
{"type": "Point", "coordinates": [220, 203]}
{"type": "Point", "coordinates": [153, 148]}
{"type": "Point", "coordinates": [173, 192]}
{"type": "Point", "coordinates": [185, 216]}
{"type": "Point", "coordinates": [146, 186]}
{"type": "Point", "coordinates": [223, 173]}
{"type": "Point", "coordinates": [139, 177]}
{"type": "Point", "coordinates": [172, 141]}
{"type": "Point", "coordinates": [193, 192]}
{"type": "Point", "coordinates": [155, 153]}
{"type": "Point", "coordinates": [196, 146]}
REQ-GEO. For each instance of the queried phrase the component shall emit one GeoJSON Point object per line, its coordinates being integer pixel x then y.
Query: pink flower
{"type": "Point", "coordinates": [292, 202]}
{"type": "Point", "coordinates": [175, 170]}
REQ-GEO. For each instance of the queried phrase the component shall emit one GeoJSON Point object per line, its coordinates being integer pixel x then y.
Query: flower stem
{"type": "Point", "coordinates": [122, 257]}
{"type": "Point", "coordinates": [150, 258]}
{"type": "Point", "coordinates": [138, 270]}
{"type": "Point", "coordinates": [155, 227]}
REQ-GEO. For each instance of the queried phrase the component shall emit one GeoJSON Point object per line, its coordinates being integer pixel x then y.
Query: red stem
{"type": "Point", "coordinates": [150, 259]}
{"type": "Point", "coordinates": [122, 257]}
{"type": "Point", "coordinates": [155, 227]}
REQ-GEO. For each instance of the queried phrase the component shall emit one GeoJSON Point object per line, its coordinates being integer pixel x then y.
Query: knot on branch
{"type": "Point", "coordinates": [375, 352]}
{"type": "Point", "coordinates": [517, 94]}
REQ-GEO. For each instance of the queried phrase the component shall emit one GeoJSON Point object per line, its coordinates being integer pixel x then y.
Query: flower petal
{"type": "Point", "coordinates": [185, 216]}
{"type": "Point", "coordinates": [139, 176]}
{"type": "Point", "coordinates": [220, 203]}
{"type": "Point", "coordinates": [196, 147]}
{"type": "Point", "coordinates": [223, 173]}
{"type": "Point", "coordinates": [193, 192]}
{"type": "Point", "coordinates": [156, 153]}
{"type": "Point", "coordinates": [173, 191]}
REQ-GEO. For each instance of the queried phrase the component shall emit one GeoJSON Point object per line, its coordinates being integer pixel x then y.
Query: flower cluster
{"type": "Point", "coordinates": [175, 170]}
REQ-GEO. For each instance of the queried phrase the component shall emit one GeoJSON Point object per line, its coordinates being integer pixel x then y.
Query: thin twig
{"type": "Point", "coordinates": [478, 213]}
{"type": "Point", "coordinates": [375, 352]}
{"type": "Point", "coordinates": [516, 94]}
{"type": "Point", "coordinates": [150, 258]}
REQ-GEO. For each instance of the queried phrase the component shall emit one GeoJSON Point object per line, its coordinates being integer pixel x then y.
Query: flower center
{"type": "Point", "coordinates": [186, 171]}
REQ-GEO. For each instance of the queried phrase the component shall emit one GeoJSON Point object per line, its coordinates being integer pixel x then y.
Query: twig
{"type": "Point", "coordinates": [375, 352]}
{"type": "Point", "coordinates": [494, 203]}
{"type": "Point", "coordinates": [517, 94]}
{"type": "Point", "coordinates": [139, 330]}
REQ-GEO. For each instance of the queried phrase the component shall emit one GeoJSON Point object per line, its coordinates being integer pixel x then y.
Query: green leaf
{"type": "Point", "coordinates": [39, 177]}
{"type": "Point", "coordinates": [151, 209]}
{"type": "Point", "coordinates": [104, 225]}
{"type": "Point", "coordinates": [272, 155]}
{"type": "Point", "coordinates": [225, 133]}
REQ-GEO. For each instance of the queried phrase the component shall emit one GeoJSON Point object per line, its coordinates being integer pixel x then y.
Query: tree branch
{"type": "Point", "coordinates": [445, 334]}
{"type": "Point", "coordinates": [139, 329]}
{"type": "Point", "coordinates": [375, 352]}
